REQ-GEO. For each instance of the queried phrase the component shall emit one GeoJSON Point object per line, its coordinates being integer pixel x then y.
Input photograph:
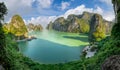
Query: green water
{"type": "Point", "coordinates": [53, 47]}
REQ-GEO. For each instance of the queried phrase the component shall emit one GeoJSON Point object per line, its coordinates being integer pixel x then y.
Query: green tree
{"type": "Point", "coordinates": [3, 11]}
{"type": "Point", "coordinates": [84, 25]}
{"type": "Point", "coordinates": [99, 34]}
{"type": "Point", "coordinates": [113, 44]}
{"type": "Point", "coordinates": [97, 28]}
{"type": "Point", "coordinates": [18, 27]}
{"type": "Point", "coordinates": [115, 33]}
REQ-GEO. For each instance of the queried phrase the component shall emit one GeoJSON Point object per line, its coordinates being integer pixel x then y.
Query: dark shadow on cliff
{"type": "Point", "coordinates": [84, 39]}
{"type": "Point", "coordinates": [85, 34]}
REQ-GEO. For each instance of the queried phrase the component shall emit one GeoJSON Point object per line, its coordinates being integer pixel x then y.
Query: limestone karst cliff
{"type": "Point", "coordinates": [77, 23]}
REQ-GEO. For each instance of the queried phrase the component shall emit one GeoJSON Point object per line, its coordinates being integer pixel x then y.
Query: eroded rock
{"type": "Point", "coordinates": [112, 63]}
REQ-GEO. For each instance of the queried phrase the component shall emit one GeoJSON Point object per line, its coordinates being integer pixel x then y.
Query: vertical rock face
{"type": "Point", "coordinates": [115, 33]}
{"type": "Point", "coordinates": [76, 23]}
{"type": "Point", "coordinates": [49, 26]}
{"type": "Point", "coordinates": [86, 16]}
{"type": "Point", "coordinates": [116, 4]}
{"type": "Point", "coordinates": [108, 26]}
{"type": "Point", "coordinates": [97, 28]}
{"type": "Point", "coordinates": [73, 23]}
{"type": "Point", "coordinates": [59, 24]}
{"type": "Point", "coordinates": [18, 27]}
{"type": "Point", "coordinates": [112, 63]}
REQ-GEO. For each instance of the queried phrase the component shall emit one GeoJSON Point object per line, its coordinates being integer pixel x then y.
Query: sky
{"type": "Point", "coordinates": [44, 11]}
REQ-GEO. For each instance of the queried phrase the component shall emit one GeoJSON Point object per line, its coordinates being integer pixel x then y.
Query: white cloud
{"type": "Point", "coordinates": [78, 10]}
{"type": "Point", "coordinates": [13, 4]}
{"type": "Point", "coordinates": [43, 20]}
{"type": "Point", "coordinates": [108, 15]}
{"type": "Point", "coordinates": [45, 3]}
{"type": "Point", "coordinates": [24, 7]}
{"type": "Point", "coordinates": [106, 1]}
{"type": "Point", "coordinates": [64, 5]}
{"type": "Point", "coordinates": [21, 7]}
{"type": "Point", "coordinates": [98, 10]}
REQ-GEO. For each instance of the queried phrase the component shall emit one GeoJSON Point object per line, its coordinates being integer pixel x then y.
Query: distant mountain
{"type": "Point", "coordinates": [77, 23]}
{"type": "Point", "coordinates": [31, 26]}
{"type": "Point", "coordinates": [17, 27]}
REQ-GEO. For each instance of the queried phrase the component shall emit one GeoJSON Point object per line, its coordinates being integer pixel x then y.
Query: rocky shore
{"type": "Point", "coordinates": [89, 51]}
{"type": "Point", "coordinates": [29, 38]}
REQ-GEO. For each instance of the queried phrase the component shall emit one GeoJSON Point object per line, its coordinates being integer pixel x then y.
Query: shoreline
{"type": "Point", "coordinates": [88, 51]}
{"type": "Point", "coordinates": [29, 38]}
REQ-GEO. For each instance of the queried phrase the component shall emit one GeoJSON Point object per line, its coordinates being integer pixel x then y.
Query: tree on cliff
{"type": "Point", "coordinates": [3, 11]}
{"type": "Point", "coordinates": [97, 28]}
{"type": "Point", "coordinates": [18, 27]}
{"type": "Point", "coordinates": [112, 63]}
{"type": "Point", "coordinates": [116, 28]}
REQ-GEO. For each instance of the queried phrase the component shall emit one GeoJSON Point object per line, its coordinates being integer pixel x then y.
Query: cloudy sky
{"type": "Point", "coordinates": [44, 11]}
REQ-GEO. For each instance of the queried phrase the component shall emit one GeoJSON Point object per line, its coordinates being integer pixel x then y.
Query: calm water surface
{"type": "Point", "coordinates": [53, 47]}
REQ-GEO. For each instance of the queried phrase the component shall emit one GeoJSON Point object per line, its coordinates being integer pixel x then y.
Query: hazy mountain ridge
{"type": "Point", "coordinates": [77, 23]}
{"type": "Point", "coordinates": [18, 27]}
{"type": "Point", "coordinates": [33, 27]}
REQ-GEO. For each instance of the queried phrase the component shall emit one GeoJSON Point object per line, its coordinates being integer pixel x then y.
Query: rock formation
{"type": "Point", "coordinates": [115, 30]}
{"type": "Point", "coordinates": [112, 63]}
{"type": "Point", "coordinates": [76, 23]}
{"type": "Point", "coordinates": [34, 27]}
{"type": "Point", "coordinates": [18, 27]}
{"type": "Point", "coordinates": [97, 28]}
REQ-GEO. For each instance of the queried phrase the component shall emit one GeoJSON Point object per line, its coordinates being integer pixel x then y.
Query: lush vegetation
{"type": "Point", "coordinates": [2, 36]}
{"type": "Point", "coordinates": [72, 24]}
{"type": "Point", "coordinates": [11, 59]}
{"type": "Point", "coordinates": [97, 29]}
{"type": "Point", "coordinates": [16, 27]}
{"type": "Point", "coordinates": [81, 24]}
{"type": "Point", "coordinates": [94, 63]}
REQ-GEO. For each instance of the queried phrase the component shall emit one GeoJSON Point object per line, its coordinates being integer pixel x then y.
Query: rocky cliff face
{"type": "Point", "coordinates": [34, 27]}
{"type": "Point", "coordinates": [97, 28]}
{"type": "Point", "coordinates": [75, 23]}
{"type": "Point", "coordinates": [108, 26]}
{"type": "Point", "coordinates": [18, 27]}
{"type": "Point", "coordinates": [115, 33]}
{"type": "Point", "coordinates": [60, 24]}
{"type": "Point", "coordinates": [111, 63]}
